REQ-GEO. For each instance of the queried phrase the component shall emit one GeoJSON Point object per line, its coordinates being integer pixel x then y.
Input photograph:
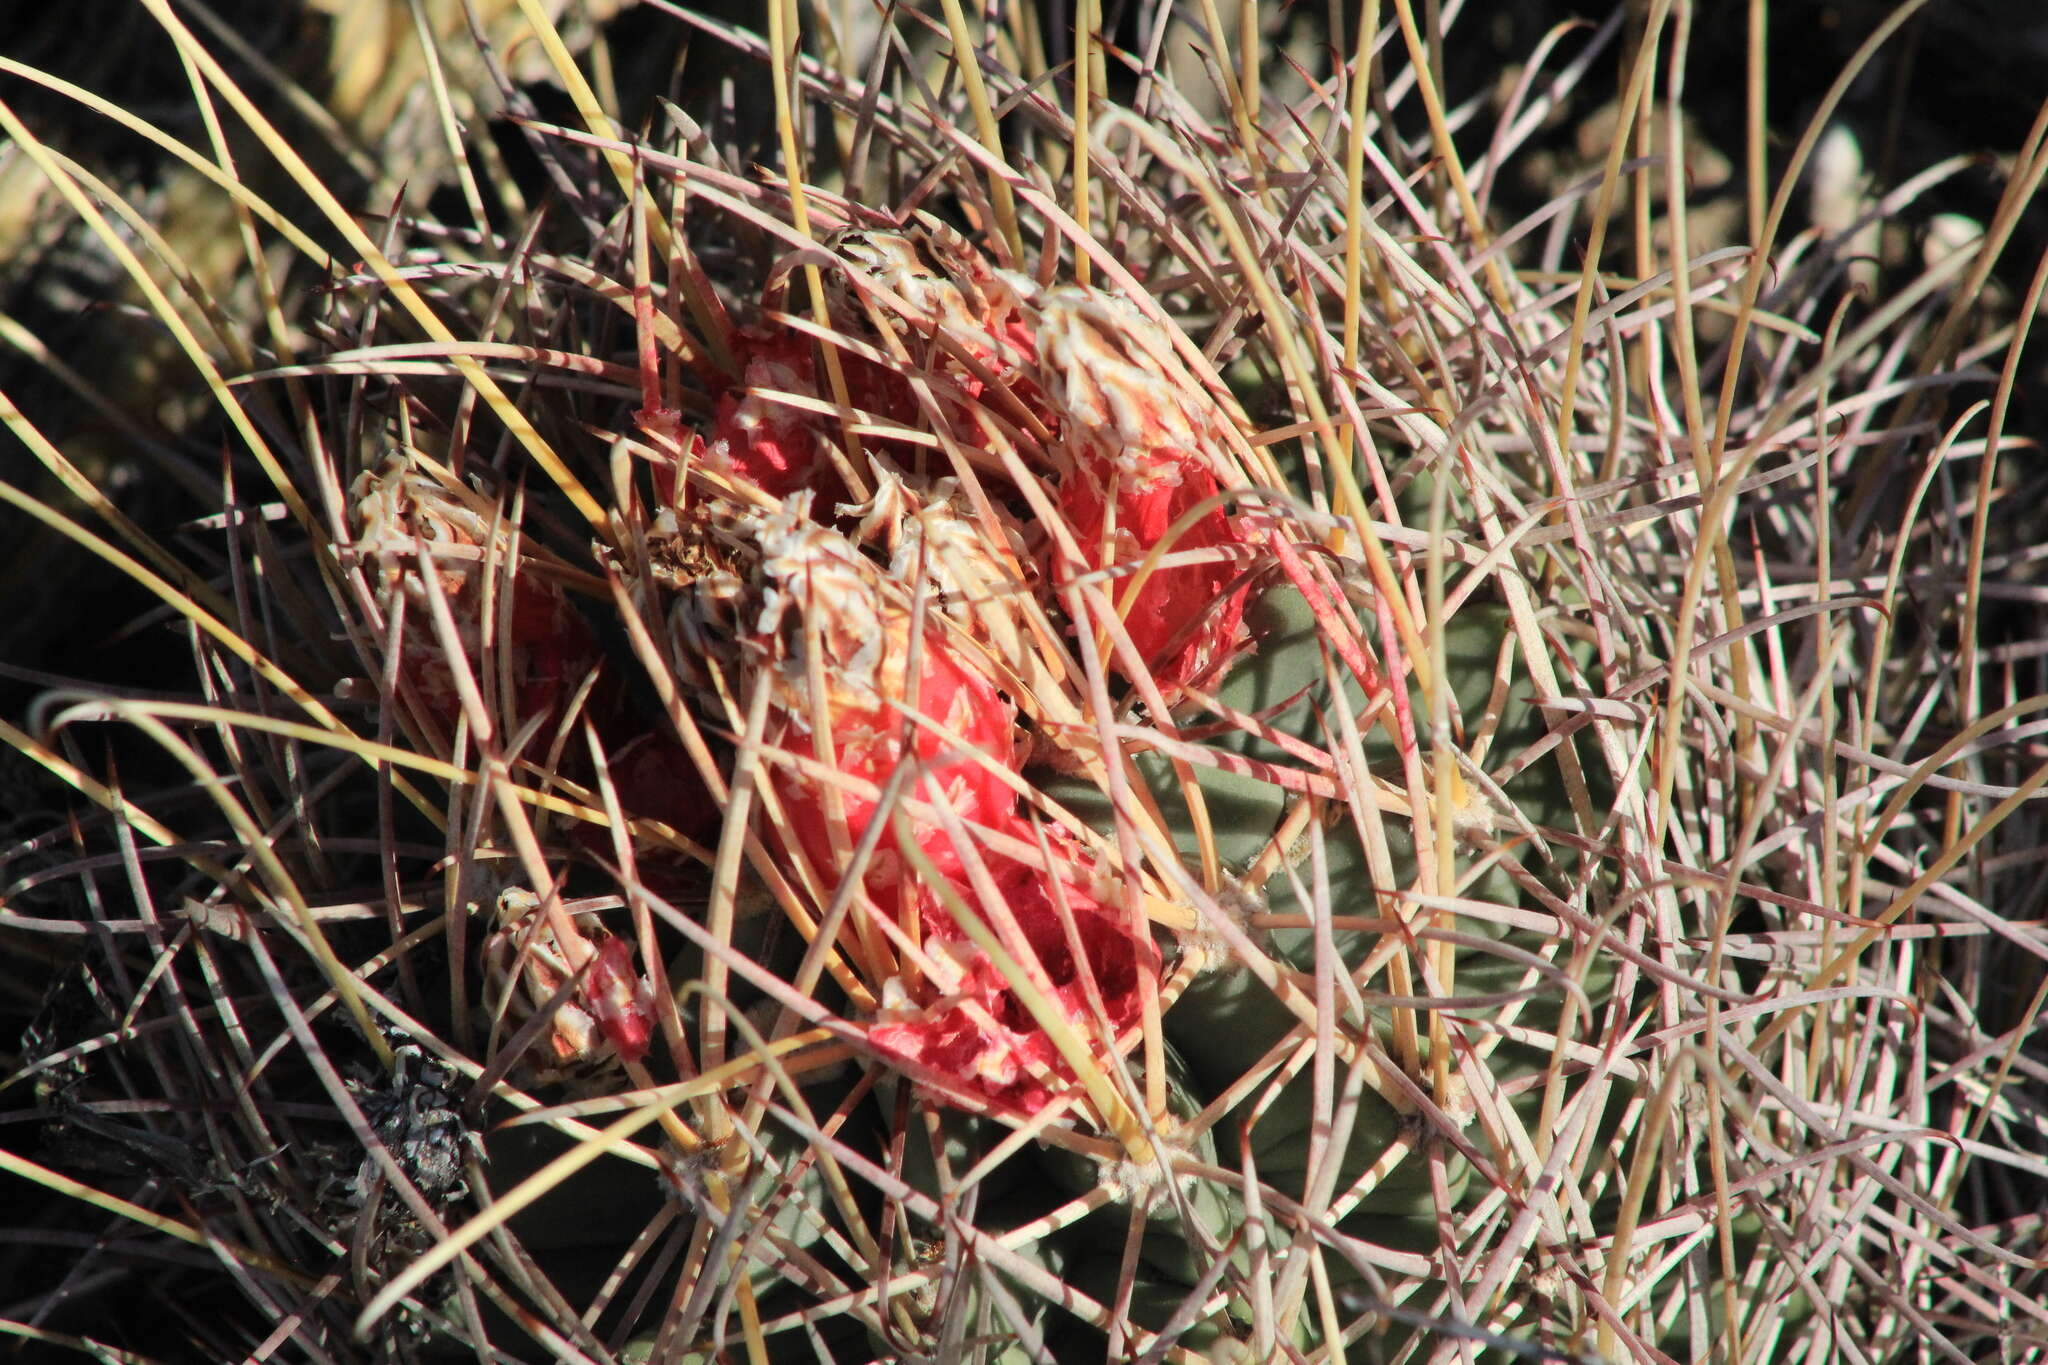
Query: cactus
{"type": "Point", "coordinates": [1067, 728]}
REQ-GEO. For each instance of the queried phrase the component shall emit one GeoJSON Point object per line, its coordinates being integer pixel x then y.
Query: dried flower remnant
{"type": "Point", "coordinates": [608, 1013]}
{"type": "Point", "coordinates": [975, 568]}
{"type": "Point", "coordinates": [416, 1111]}
{"type": "Point", "coordinates": [943, 288]}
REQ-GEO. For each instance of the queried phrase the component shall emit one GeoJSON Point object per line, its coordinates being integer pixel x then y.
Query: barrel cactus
{"type": "Point", "coordinates": [1094, 719]}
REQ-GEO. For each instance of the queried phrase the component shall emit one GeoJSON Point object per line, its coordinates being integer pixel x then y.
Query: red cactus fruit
{"type": "Point", "coordinates": [858, 682]}
{"type": "Point", "coordinates": [1142, 437]}
{"type": "Point", "coordinates": [933, 288]}
{"type": "Point", "coordinates": [800, 602]}
{"type": "Point", "coordinates": [1184, 620]}
{"type": "Point", "coordinates": [619, 999]}
{"type": "Point", "coordinates": [542, 645]}
{"type": "Point", "coordinates": [772, 443]}
{"type": "Point", "coordinates": [654, 778]}
{"type": "Point", "coordinates": [963, 1021]}
{"type": "Point", "coordinates": [527, 957]}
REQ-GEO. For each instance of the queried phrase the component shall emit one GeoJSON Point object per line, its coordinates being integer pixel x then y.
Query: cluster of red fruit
{"type": "Point", "coordinates": [846, 554]}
